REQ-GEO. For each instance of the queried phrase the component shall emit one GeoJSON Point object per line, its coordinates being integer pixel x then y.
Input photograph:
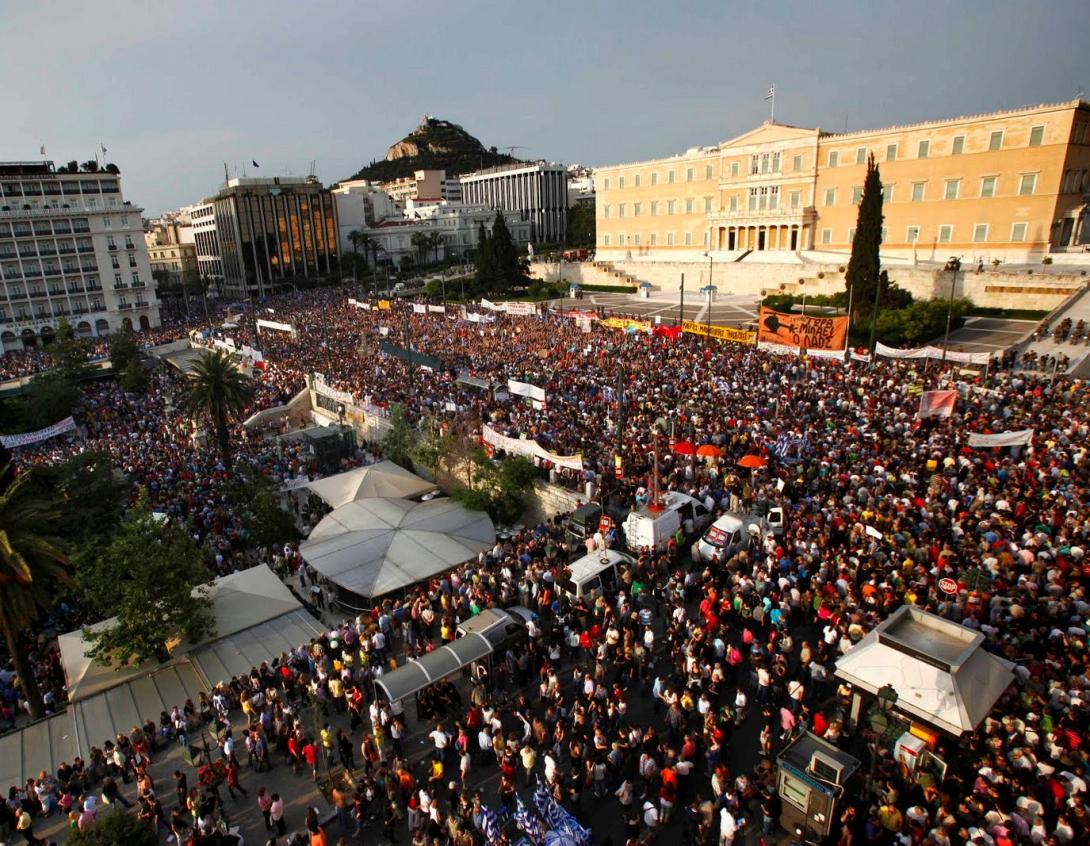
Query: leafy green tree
{"type": "Point", "coordinates": [49, 398]}
{"type": "Point", "coordinates": [509, 270]}
{"type": "Point", "coordinates": [433, 445]}
{"type": "Point", "coordinates": [92, 495]}
{"type": "Point", "coordinates": [920, 322]}
{"type": "Point", "coordinates": [68, 354]}
{"type": "Point", "coordinates": [134, 378]}
{"type": "Point", "coordinates": [266, 519]}
{"type": "Point", "coordinates": [115, 827]}
{"type": "Point", "coordinates": [400, 439]}
{"type": "Point", "coordinates": [864, 265]}
{"type": "Point", "coordinates": [32, 567]}
{"type": "Point", "coordinates": [123, 349]}
{"type": "Point", "coordinates": [486, 265]}
{"type": "Point", "coordinates": [149, 576]}
{"type": "Point", "coordinates": [499, 488]}
{"type": "Point", "coordinates": [218, 392]}
{"type": "Point", "coordinates": [419, 240]}
{"type": "Point", "coordinates": [581, 226]}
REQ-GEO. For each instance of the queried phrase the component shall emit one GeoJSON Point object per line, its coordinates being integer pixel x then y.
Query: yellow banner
{"type": "Point", "coordinates": [626, 323]}
{"type": "Point", "coordinates": [384, 305]}
{"type": "Point", "coordinates": [722, 333]}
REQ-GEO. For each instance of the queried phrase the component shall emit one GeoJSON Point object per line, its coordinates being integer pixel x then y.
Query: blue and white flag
{"type": "Point", "coordinates": [489, 825]}
{"type": "Point", "coordinates": [529, 823]}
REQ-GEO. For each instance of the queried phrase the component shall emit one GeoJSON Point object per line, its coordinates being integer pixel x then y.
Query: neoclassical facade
{"type": "Point", "coordinates": [1010, 185]}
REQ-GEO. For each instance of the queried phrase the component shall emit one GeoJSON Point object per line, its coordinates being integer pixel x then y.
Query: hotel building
{"type": "Point", "coordinates": [1010, 185]}
{"type": "Point", "coordinates": [71, 247]}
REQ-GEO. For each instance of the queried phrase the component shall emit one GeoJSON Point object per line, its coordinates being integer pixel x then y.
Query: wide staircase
{"type": "Point", "coordinates": [1065, 332]}
{"type": "Point", "coordinates": [614, 275]}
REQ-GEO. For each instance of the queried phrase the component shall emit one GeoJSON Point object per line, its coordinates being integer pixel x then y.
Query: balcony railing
{"type": "Point", "coordinates": [141, 304]}
{"type": "Point", "coordinates": [120, 286]}
{"type": "Point", "coordinates": [139, 285]}
{"type": "Point", "coordinates": [112, 248]}
{"type": "Point", "coordinates": [124, 306]}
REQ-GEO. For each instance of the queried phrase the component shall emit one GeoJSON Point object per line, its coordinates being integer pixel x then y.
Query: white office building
{"type": "Point", "coordinates": [71, 248]}
{"type": "Point", "coordinates": [538, 191]}
{"type": "Point", "coordinates": [202, 217]}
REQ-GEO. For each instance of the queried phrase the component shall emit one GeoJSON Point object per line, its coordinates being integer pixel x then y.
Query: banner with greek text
{"type": "Point", "coordinates": [525, 389]}
{"type": "Point", "coordinates": [491, 306]}
{"type": "Point", "coordinates": [1001, 439]}
{"type": "Point", "coordinates": [521, 309]}
{"type": "Point", "coordinates": [523, 446]}
{"type": "Point", "coordinates": [625, 324]}
{"type": "Point", "coordinates": [272, 324]}
{"type": "Point", "coordinates": [932, 353]}
{"type": "Point", "coordinates": [68, 424]}
{"type": "Point", "coordinates": [320, 387]}
{"type": "Point", "coordinates": [437, 309]}
{"type": "Point", "coordinates": [802, 331]}
{"type": "Point", "coordinates": [419, 308]}
{"type": "Point", "coordinates": [384, 305]}
{"type": "Point", "coordinates": [722, 333]}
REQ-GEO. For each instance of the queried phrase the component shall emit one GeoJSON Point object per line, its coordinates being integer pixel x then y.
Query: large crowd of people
{"type": "Point", "coordinates": [880, 505]}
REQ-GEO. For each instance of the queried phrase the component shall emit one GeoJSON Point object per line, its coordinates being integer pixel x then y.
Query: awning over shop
{"type": "Point", "coordinates": [430, 668]}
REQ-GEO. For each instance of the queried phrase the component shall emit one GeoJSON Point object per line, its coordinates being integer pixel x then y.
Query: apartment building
{"type": "Point", "coordinates": [424, 186]}
{"type": "Point", "coordinates": [1010, 185]}
{"type": "Point", "coordinates": [71, 247]}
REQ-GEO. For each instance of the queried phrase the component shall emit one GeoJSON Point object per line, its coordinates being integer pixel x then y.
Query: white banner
{"type": "Point", "coordinates": [352, 301]}
{"type": "Point", "coordinates": [384, 331]}
{"type": "Point", "coordinates": [472, 317]}
{"type": "Point", "coordinates": [364, 306]}
{"type": "Point", "coordinates": [783, 349]}
{"type": "Point", "coordinates": [68, 424]}
{"type": "Point", "coordinates": [437, 309]}
{"type": "Point", "coordinates": [226, 344]}
{"type": "Point", "coordinates": [934, 353]}
{"type": "Point", "coordinates": [855, 356]}
{"type": "Point", "coordinates": [294, 484]}
{"type": "Point", "coordinates": [491, 306]}
{"type": "Point", "coordinates": [521, 309]}
{"type": "Point", "coordinates": [522, 446]}
{"type": "Point", "coordinates": [525, 389]}
{"type": "Point", "coordinates": [249, 352]}
{"type": "Point", "coordinates": [1001, 439]}
{"type": "Point", "coordinates": [272, 324]}
{"type": "Point", "coordinates": [419, 309]}
{"type": "Point", "coordinates": [327, 391]}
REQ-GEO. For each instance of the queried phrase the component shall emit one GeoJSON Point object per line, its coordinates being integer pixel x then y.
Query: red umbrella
{"type": "Point", "coordinates": [751, 462]}
{"type": "Point", "coordinates": [685, 448]}
{"type": "Point", "coordinates": [709, 451]}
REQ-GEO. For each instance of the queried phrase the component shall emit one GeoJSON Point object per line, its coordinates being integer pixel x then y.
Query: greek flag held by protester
{"type": "Point", "coordinates": [489, 825]}
{"type": "Point", "coordinates": [557, 818]}
{"type": "Point", "coordinates": [529, 823]}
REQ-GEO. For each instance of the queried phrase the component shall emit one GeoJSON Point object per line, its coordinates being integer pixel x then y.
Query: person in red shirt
{"type": "Point", "coordinates": [295, 753]}
{"type": "Point", "coordinates": [310, 755]}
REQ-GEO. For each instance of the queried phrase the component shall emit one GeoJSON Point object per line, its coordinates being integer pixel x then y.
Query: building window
{"type": "Point", "coordinates": [1036, 136]}
{"type": "Point", "coordinates": [857, 194]}
{"type": "Point", "coordinates": [654, 208]}
{"type": "Point", "coordinates": [752, 199]}
{"type": "Point", "coordinates": [605, 186]}
{"type": "Point", "coordinates": [688, 239]}
{"type": "Point", "coordinates": [705, 239]}
{"type": "Point", "coordinates": [946, 232]}
{"type": "Point", "coordinates": [923, 150]}
{"type": "Point", "coordinates": [1018, 233]}
{"type": "Point", "coordinates": [117, 280]}
{"type": "Point", "coordinates": [987, 187]}
{"type": "Point", "coordinates": [797, 163]}
{"type": "Point", "coordinates": [851, 235]}
{"type": "Point", "coordinates": [636, 240]}
{"type": "Point", "coordinates": [883, 235]}
{"type": "Point", "coordinates": [913, 234]}
{"type": "Point", "coordinates": [917, 191]}
{"type": "Point", "coordinates": [754, 164]}
{"type": "Point", "coordinates": [995, 140]}
{"type": "Point", "coordinates": [605, 212]}
{"type": "Point", "coordinates": [707, 205]}
{"type": "Point", "coordinates": [636, 180]}
{"type": "Point", "coordinates": [654, 239]}
{"type": "Point", "coordinates": [671, 206]}
{"type": "Point", "coordinates": [124, 221]}
{"type": "Point", "coordinates": [830, 196]}
{"type": "Point", "coordinates": [734, 202]}
{"type": "Point", "coordinates": [887, 193]}
{"type": "Point", "coordinates": [669, 239]}
{"type": "Point", "coordinates": [136, 279]}
{"type": "Point", "coordinates": [1027, 184]}
{"type": "Point", "coordinates": [774, 197]}
{"type": "Point", "coordinates": [620, 182]}
{"type": "Point", "coordinates": [670, 177]}
{"type": "Point", "coordinates": [953, 189]}
{"type": "Point", "coordinates": [826, 236]}
{"type": "Point", "coordinates": [959, 145]}
{"type": "Point", "coordinates": [655, 178]}
{"type": "Point", "coordinates": [107, 223]}
{"type": "Point", "coordinates": [796, 199]}
{"type": "Point", "coordinates": [688, 174]}
{"type": "Point", "coordinates": [834, 158]}
{"type": "Point", "coordinates": [636, 209]}
{"type": "Point", "coordinates": [620, 239]}
{"type": "Point", "coordinates": [891, 152]}
{"type": "Point", "coordinates": [861, 155]}
{"type": "Point", "coordinates": [689, 206]}
{"type": "Point", "coordinates": [620, 210]}
{"type": "Point", "coordinates": [980, 233]}
{"type": "Point", "coordinates": [707, 171]}
{"type": "Point", "coordinates": [605, 240]}
{"type": "Point", "coordinates": [734, 168]}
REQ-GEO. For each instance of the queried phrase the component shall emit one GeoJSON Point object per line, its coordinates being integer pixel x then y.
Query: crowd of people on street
{"type": "Point", "coordinates": [731, 659]}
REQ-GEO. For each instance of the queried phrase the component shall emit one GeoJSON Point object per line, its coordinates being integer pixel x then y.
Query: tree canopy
{"type": "Point", "coordinates": [499, 266]}
{"type": "Point", "coordinates": [114, 827]}
{"type": "Point", "coordinates": [864, 265]}
{"type": "Point", "coordinates": [146, 577]}
{"type": "Point", "coordinates": [219, 392]}
{"type": "Point", "coordinates": [400, 439]}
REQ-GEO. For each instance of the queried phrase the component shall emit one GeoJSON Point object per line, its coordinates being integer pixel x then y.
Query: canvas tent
{"type": "Point", "coordinates": [940, 670]}
{"type": "Point", "coordinates": [384, 479]}
{"type": "Point", "coordinates": [257, 619]}
{"type": "Point", "coordinates": [370, 547]}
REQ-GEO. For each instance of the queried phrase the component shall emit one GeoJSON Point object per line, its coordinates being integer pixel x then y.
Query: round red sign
{"type": "Point", "coordinates": [948, 586]}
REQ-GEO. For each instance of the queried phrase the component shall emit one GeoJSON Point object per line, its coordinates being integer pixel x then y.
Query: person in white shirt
{"type": "Point", "coordinates": [727, 828]}
{"type": "Point", "coordinates": [650, 818]}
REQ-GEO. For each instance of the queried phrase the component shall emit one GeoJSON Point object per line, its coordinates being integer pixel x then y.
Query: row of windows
{"type": "Point", "coordinates": [671, 176]}
{"type": "Point", "coordinates": [622, 240]}
{"type": "Point", "coordinates": [944, 234]}
{"type": "Point", "coordinates": [924, 150]}
{"type": "Point", "coordinates": [655, 208]}
{"type": "Point", "coordinates": [989, 186]}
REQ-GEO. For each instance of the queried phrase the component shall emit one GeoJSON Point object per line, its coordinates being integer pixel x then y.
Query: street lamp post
{"type": "Point", "coordinates": [955, 266]}
{"type": "Point", "coordinates": [887, 698]}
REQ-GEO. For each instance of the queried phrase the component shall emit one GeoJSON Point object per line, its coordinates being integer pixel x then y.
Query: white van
{"type": "Point", "coordinates": [646, 529]}
{"type": "Point", "coordinates": [732, 533]}
{"type": "Point", "coordinates": [594, 575]}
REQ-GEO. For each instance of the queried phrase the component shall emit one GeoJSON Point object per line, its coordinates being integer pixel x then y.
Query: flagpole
{"type": "Point", "coordinates": [772, 116]}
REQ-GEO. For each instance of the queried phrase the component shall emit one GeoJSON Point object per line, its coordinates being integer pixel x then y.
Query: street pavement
{"type": "Point", "coordinates": [666, 307]}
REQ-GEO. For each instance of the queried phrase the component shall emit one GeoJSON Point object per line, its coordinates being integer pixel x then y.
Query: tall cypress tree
{"type": "Point", "coordinates": [486, 264]}
{"type": "Point", "coordinates": [509, 270]}
{"type": "Point", "coordinates": [865, 263]}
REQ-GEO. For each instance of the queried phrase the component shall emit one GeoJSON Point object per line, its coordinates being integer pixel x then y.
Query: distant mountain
{"type": "Point", "coordinates": [435, 144]}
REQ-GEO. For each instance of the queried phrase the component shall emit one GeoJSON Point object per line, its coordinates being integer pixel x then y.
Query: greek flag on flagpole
{"type": "Point", "coordinates": [490, 824]}
{"type": "Point", "coordinates": [771, 92]}
{"type": "Point", "coordinates": [529, 823]}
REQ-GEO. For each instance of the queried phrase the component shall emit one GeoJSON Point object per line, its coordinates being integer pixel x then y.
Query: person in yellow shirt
{"type": "Point", "coordinates": [890, 818]}
{"type": "Point", "coordinates": [326, 737]}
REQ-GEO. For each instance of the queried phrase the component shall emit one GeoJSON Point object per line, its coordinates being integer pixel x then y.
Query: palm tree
{"type": "Point", "coordinates": [435, 241]}
{"type": "Point", "coordinates": [218, 391]}
{"type": "Point", "coordinates": [31, 568]}
{"type": "Point", "coordinates": [356, 238]}
{"type": "Point", "coordinates": [421, 243]}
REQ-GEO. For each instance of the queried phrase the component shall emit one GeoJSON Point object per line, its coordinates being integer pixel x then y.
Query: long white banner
{"type": "Point", "coordinates": [325, 390]}
{"type": "Point", "coordinates": [68, 424]}
{"type": "Point", "coordinates": [525, 389]}
{"type": "Point", "coordinates": [521, 446]}
{"type": "Point", "coordinates": [272, 324]}
{"type": "Point", "coordinates": [1001, 439]}
{"type": "Point", "coordinates": [933, 352]}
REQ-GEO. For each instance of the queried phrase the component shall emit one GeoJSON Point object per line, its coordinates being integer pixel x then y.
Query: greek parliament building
{"type": "Point", "coordinates": [71, 248]}
{"type": "Point", "coordinates": [1011, 185]}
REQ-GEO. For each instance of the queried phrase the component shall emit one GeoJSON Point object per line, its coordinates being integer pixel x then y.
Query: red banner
{"type": "Point", "coordinates": [803, 332]}
{"type": "Point", "coordinates": [937, 403]}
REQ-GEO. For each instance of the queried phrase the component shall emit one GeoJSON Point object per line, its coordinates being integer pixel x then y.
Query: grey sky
{"type": "Point", "coordinates": [174, 89]}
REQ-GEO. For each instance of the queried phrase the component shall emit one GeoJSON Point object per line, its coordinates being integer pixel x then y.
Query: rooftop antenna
{"type": "Point", "coordinates": [511, 149]}
{"type": "Point", "coordinates": [313, 167]}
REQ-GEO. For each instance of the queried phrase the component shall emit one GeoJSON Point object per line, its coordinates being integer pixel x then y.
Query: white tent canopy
{"type": "Point", "coordinates": [384, 479]}
{"type": "Point", "coordinates": [374, 546]}
{"type": "Point", "coordinates": [940, 671]}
